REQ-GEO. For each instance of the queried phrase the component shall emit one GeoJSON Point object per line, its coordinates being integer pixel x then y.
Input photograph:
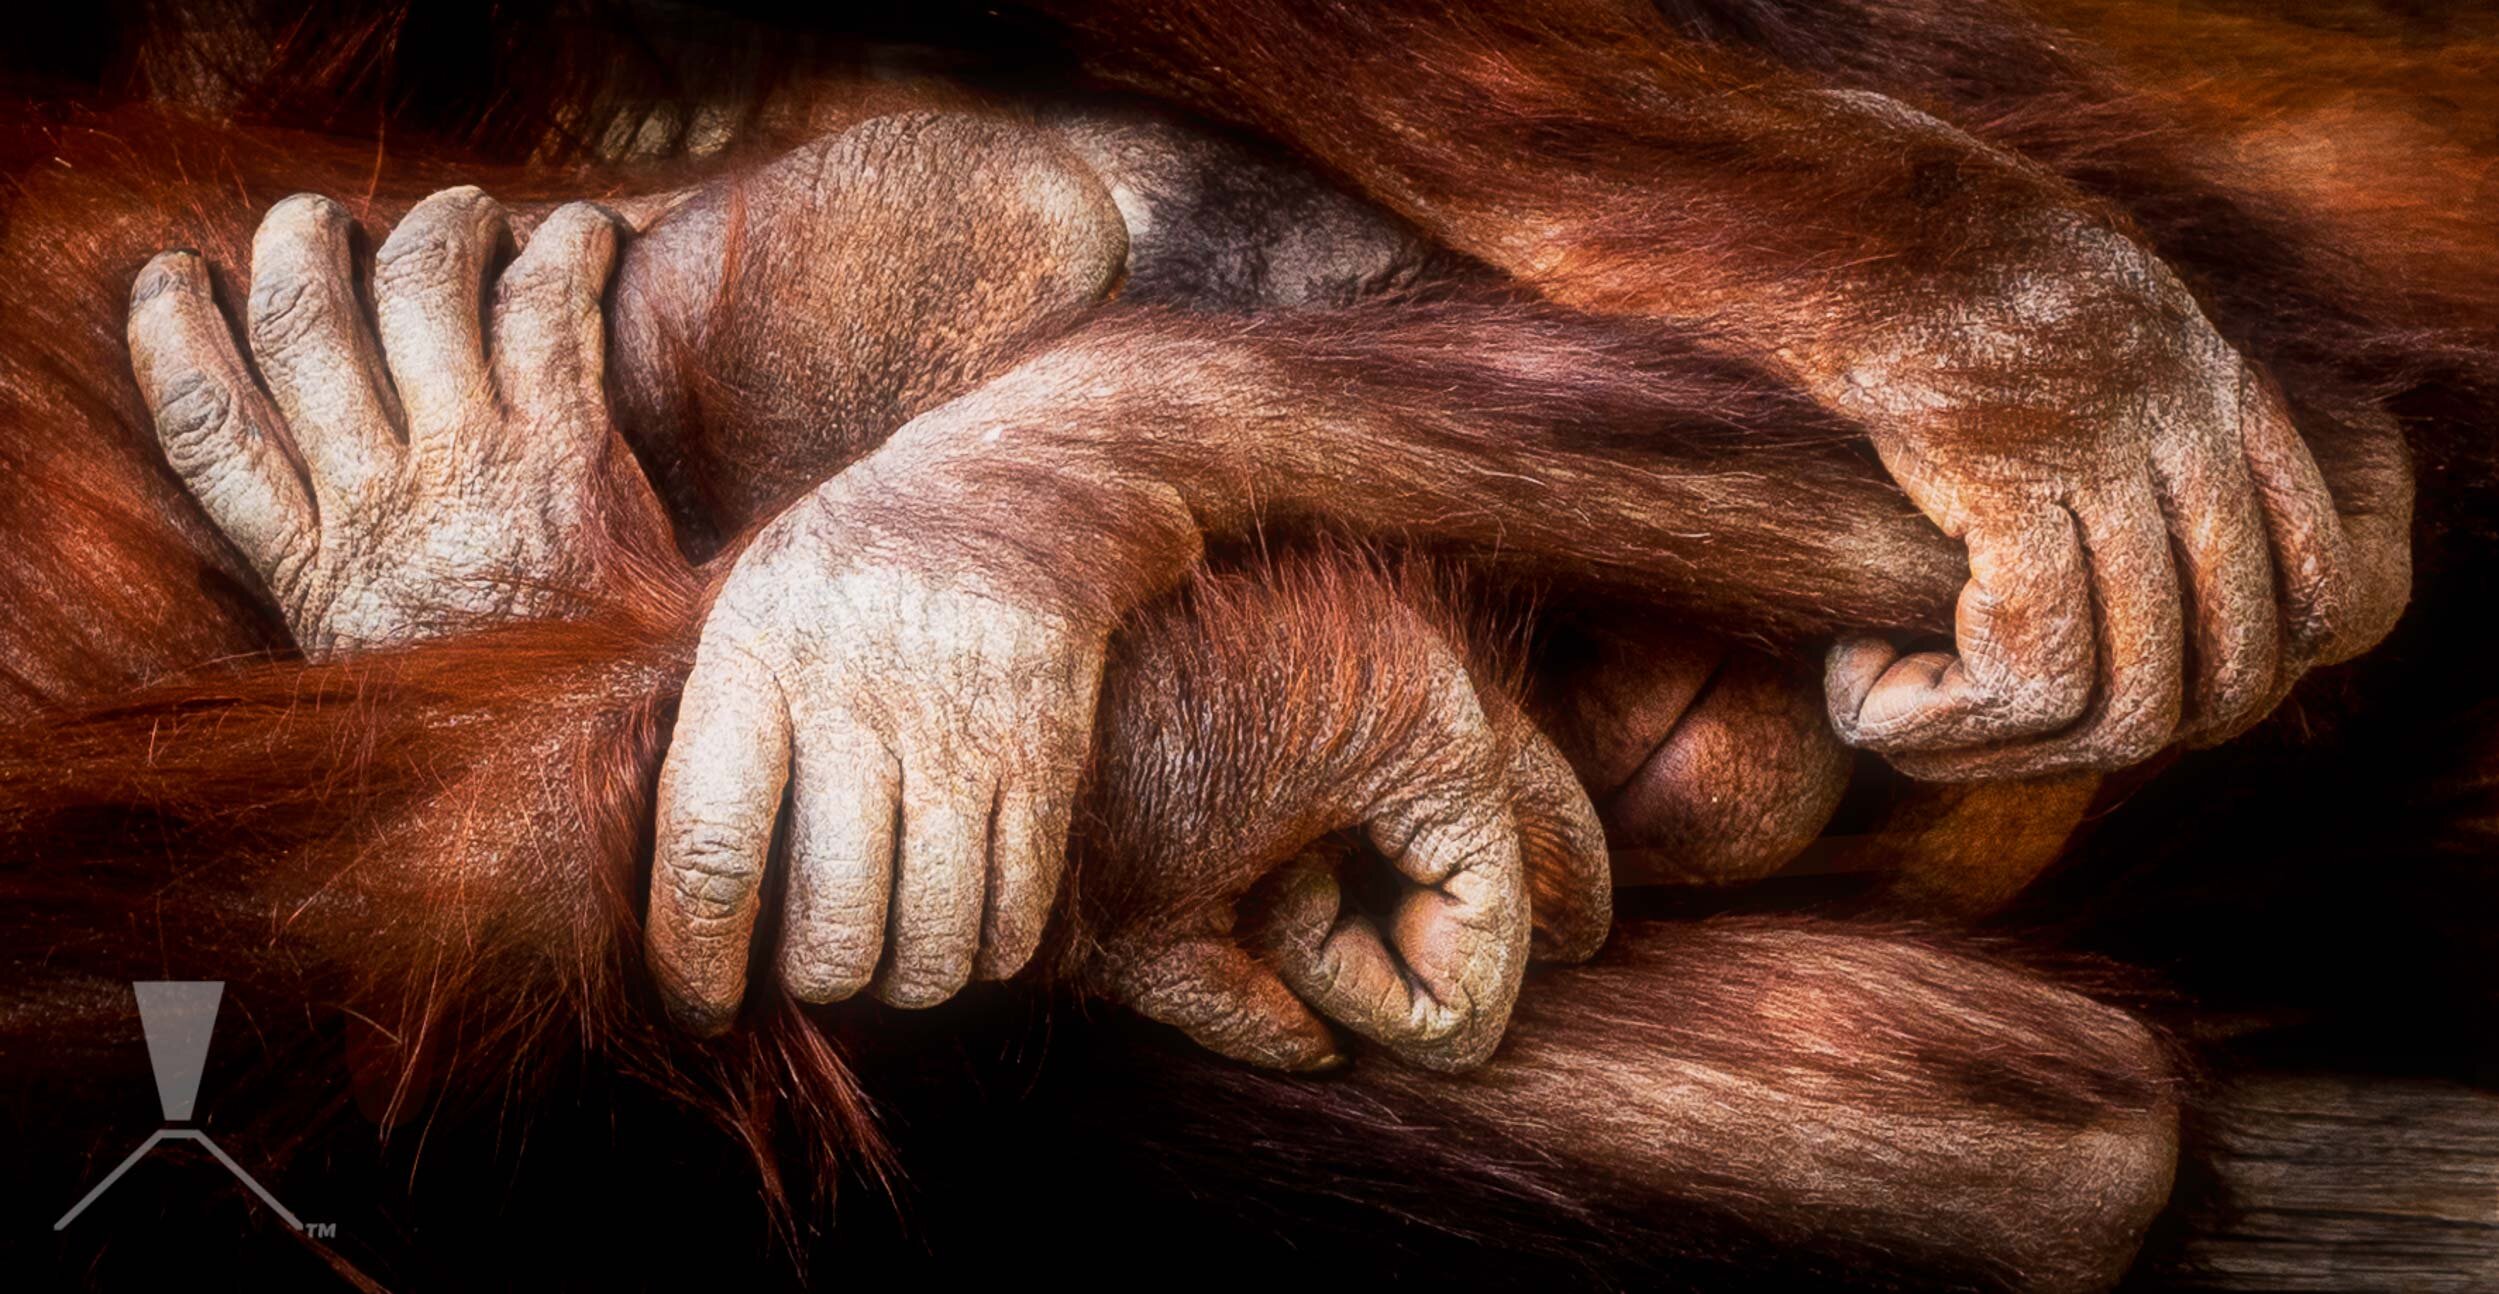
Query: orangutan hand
{"type": "Point", "coordinates": [395, 492]}
{"type": "Point", "coordinates": [2154, 555]}
{"type": "Point", "coordinates": [1217, 896]}
{"type": "Point", "coordinates": [929, 724]}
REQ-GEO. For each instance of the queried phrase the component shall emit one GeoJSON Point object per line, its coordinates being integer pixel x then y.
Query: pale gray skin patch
{"type": "Point", "coordinates": [2170, 517]}
{"type": "Point", "coordinates": [931, 761]}
{"type": "Point", "coordinates": [936, 729]}
{"type": "Point", "coordinates": [387, 491]}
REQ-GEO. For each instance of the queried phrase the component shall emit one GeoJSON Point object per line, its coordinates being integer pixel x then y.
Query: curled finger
{"type": "Point", "coordinates": [1437, 989]}
{"type": "Point", "coordinates": [1570, 883]}
{"type": "Point", "coordinates": [2022, 664]}
{"type": "Point", "coordinates": [2135, 701]}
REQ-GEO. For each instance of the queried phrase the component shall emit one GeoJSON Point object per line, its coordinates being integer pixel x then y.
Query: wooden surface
{"type": "Point", "coordinates": [2346, 1183]}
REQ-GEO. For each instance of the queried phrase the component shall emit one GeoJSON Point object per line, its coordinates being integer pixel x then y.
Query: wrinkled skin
{"type": "Point", "coordinates": [875, 649]}
{"type": "Point", "coordinates": [2075, 634]}
{"type": "Point", "coordinates": [1224, 887]}
{"type": "Point", "coordinates": [2103, 564]}
{"type": "Point", "coordinates": [1456, 799]}
{"type": "Point", "coordinates": [934, 728]}
{"type": "Point", "coordinates": [387, 493]}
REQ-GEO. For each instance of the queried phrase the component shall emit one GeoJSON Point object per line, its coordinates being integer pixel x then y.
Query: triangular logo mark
{"type": "Point", "coordinates": [178, 1016]}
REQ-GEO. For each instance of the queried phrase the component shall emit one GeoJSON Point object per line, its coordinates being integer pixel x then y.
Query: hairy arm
{"type": "Point", "coordinates": [912, 652]}
{"type": "Point", "coordinates": [1540, 442]}
{"type": "Point", "coordinates": [2151, 553]}
{"type": "Point", "coordinates": [507, 494]}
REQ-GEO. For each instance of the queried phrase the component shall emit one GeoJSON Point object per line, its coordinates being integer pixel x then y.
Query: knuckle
{"type": "Point", "coordinates": [411, 258]}
{"type": "Point", "coordinates": [2048, 699]}
{"type": "Point", "coordinates": [538, 311]}
{"type": "Point", "coordinates": [439, 238]}
{"type": "Point", "coordinates": [165, 274]}
{"type": "Point", "coordinates": [851, 934]}
{"type": "Point", "coordinates": [543, 283]}
{"type": "Point", "coordinates": [710, 865]}
{"type": "Point", "coordinates": [2238, 692]}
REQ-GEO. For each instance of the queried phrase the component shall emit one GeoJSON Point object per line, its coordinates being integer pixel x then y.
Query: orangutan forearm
{"type": "Point", "coordinates": [1544, 443]}
{"type": "Point", "coordinates": [2150, 547]}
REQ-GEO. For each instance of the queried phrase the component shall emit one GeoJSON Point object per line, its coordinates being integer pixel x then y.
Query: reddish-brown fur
{"type": "Point", "coordinates": [384, 831]}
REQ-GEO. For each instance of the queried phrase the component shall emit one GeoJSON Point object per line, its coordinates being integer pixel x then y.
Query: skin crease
{"type": "Point", "coordinates": [877, 685]}
{"type": "Point", "coordinates": [2122, 1159]}
{"type": "Point", "coordinates": [2069, 480]}
{"type": "Point", "coordinates": [2029, 511]}
{"type": "Point", "coordinates": [1454, 804]}
{"type": "Point", "coordinates": [2088, 525]}
{"type": "Point", "coordinates": [1228, 920]}
{"type": "Point", "coordinates": [456, 489]}
{"type": "Point", "coordinates": [1681, 1114]}
{"type": "Point", "coordinates": [715, 833]}
{"type": "Point", "coordinates": [1930, 699]}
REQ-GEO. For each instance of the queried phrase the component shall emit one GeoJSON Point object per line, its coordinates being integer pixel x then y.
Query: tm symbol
{"type": "Point", "coordinates": [321, 1230]}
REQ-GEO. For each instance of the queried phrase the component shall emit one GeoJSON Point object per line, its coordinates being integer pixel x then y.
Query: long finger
{"type": "Point", "coordinates": [2225, 567]}
{"type": "Point", "coordinates": [216, 426]}
{"type": "Point", "coordinates": [719, 790]}
{"type": "Point", "coordinates": [309, 334]}
{"type": "Point", "coordinates": [845, 786]}
{"type": "Point", "coordinates": [1028, 859]}
{"type": "Point", "coordinates": [549, 337]}
{"type": "Point", "coordinates": [429, 281]}
{"type": "Point", "coordinates": [938, 889]}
